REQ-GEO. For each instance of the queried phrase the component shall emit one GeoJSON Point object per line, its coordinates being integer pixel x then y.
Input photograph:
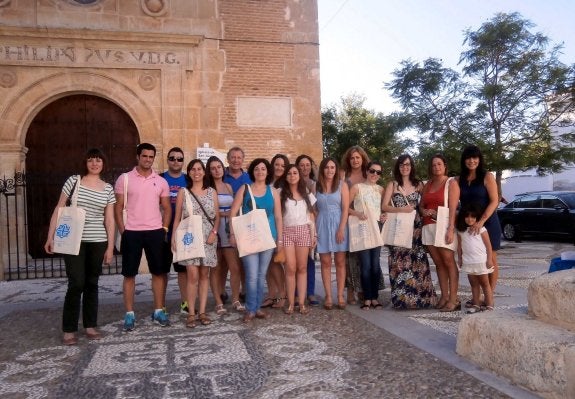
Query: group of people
{"type": "Point", "coordinates": [307, 209]}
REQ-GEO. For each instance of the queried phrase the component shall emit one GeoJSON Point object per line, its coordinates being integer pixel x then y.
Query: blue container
{"type": "Point", "coordinates": [558, 264]}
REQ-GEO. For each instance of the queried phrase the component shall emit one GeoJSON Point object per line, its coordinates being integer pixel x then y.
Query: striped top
{"type": "Point", "coordinates": [94, 202]}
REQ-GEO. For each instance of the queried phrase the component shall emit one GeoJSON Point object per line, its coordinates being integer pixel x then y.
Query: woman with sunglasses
{"type": "Point", "coordinates": [366, 199]}
{"type": "Point", "coordinates": [409, 273]}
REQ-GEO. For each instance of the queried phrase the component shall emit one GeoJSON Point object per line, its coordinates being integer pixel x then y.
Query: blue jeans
{"type": "Point", "coordinates": [310, 276]}
{"type": "Point", "coordinates": [370, 272]}
{"type": "Point", "coordinates": [256, 268]}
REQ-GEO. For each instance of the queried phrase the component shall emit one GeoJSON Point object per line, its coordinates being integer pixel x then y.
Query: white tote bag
{"type": "Point", "coordinates": [189, 234]}
{"type": "Point", "coordinates": [398, 228]}
{"type": "Point", "coordinates": [442, 222]}
{"type": "Point", "coordinates": [118, 244]}
{"type": "Point", "coordinates": [252, 230]}
{"type": "Point", "coordinates": [70, 225]}
{"type": "Point", "coordinates": [364, 234]}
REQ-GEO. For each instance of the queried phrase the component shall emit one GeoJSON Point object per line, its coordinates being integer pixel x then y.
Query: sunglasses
{"type": "Point", "coordinates": [377, 172]}
{"type": "Point", "coordinates": [174, 159]}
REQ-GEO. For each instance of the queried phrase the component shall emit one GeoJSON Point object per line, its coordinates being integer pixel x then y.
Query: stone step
{"type": "Point", "coordinates": [551, 298]}
{"type": "Point", "coordinates": [529, 352]}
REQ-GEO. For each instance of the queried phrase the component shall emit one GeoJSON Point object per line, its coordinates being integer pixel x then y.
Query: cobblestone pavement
{"type": "Point", "coordinates": [326, 354]}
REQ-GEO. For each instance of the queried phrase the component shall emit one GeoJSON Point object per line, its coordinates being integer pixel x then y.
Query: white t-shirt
{"type": "Point", "coordinates": [296, 212]}
{"type": "Point", "coordinates": [472, 247]}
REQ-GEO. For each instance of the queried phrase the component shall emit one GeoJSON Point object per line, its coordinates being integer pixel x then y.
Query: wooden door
{"type": "Point", "coordinates": [57, 140]}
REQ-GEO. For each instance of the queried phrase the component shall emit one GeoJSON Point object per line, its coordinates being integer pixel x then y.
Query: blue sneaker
{"type": "Point", "coordinates": [129, 321]}
{"type": "Point", "coordinates": [161, 318]}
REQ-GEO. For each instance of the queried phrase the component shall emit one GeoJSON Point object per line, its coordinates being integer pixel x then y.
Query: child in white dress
{"type": "Point", "coordinates": [474, 256]}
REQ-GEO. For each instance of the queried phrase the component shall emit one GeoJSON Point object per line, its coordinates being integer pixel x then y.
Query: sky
{"type": "Point", "coordinates": [363, 41]}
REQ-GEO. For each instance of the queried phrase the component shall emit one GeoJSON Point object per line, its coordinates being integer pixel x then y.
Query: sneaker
{"type": "Point", "coordinates": [312, 299]}
{"type": "Point", "coordinates": [184, 309]}
{"type": "Point", "coordinates": [129, 321]}
{"type": "Point", "coordinates": [161, 318]}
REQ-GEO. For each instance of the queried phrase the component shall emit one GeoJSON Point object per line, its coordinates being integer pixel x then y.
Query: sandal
{"type": "Point", "coordinates": [441, 304]}
{"type": "Point", "coordinates": [473, 309]}
{"type": "Point", "coordinates": [489, 308]}
{"type": "Point", "coordinates": [376, 306]}
{"type": "Point", "coordinates": [289, 310]}
{"type": "Point", "coordinates": [71, 340]}
{"type": "Point", "coordinates": [248, 317]}
{"type": "Point", "coordinates": [469, 304]}
{"type": "Point", "coordinates": [303, 310]}
{"type": "Point", "coordinates": [451, 307]}
{"type": "Point", "coordinates": [341, 305]}
{"type": "Point", "coordinates": [204, 319]}
{"type": "Point", "coordinates": [365, 306]}
{"type": "Point", "coordinates": [262, 315]}
{"type": "Point", "coordinates": [191, 321]}
{"type": "Point", "coordinates": [238, 307]}
{"type": "Point", "coordinates": [279, 303]}
{"type": "Point", "coordinates": [268, 302]}
{"type": "Point", "coordinates": [220, 310]}
{"type": "Point", "coordinates": [328, 305]}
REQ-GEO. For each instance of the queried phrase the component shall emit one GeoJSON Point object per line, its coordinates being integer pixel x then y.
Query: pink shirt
{"type": "Point", "coordinates": [144, 195]}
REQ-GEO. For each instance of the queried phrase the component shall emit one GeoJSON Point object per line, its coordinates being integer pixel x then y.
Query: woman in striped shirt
{"type": "Point", "coordinates": [97, 198]}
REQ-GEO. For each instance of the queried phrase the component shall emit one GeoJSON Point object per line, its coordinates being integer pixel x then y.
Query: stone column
{"type": "Point", "coordinates": [11, 160]}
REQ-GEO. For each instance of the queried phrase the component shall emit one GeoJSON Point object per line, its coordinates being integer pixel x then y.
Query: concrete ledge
{"type": "Point", "coordinates": [550, 298]}
{"type": "Point", "coordinates": [530, 353]}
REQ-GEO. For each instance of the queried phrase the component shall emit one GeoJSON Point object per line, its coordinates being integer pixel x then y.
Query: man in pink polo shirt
{"type": "Point", "coordinates": [145, 229]}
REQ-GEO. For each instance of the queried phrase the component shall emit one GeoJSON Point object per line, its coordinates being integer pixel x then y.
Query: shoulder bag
{"type": "Point", "coordinates": [442, 222]}
{"type": "Point", "coordinates": [363, 234]}
{"type": "Point", "coordinates": [189, 235]}
{"type": "Point", "coordinates": [398, 228]}
{"type": "Point", "coordinates": [70, 224]}
{"type": "Point", "coordinates": [252, 230]}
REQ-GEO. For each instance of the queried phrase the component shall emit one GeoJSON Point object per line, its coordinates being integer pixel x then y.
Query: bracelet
{"type": "Point", "coordinates": [214, 232]}
{"type": "Point", "coordinates": [280, 242]}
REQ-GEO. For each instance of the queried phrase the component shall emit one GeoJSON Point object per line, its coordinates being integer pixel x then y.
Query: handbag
{"type": "Point", "coordinates": [398, 228]}
{"type": "Point", "coordinates": [70, 225]}
{"type": "Point", "coordinates": [189, 235]}
{"type": "Point", "coordinates": [118, 243]}
{"type": "Point", "coordinates": [252, 230]}
{"type": "Point", "coordinates": [364, 234]}
{"type": "Point", "coordinates": [442, 222]}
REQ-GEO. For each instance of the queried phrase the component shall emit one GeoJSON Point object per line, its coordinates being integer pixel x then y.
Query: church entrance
{"type": "Point", "coordinates": [57, 140]}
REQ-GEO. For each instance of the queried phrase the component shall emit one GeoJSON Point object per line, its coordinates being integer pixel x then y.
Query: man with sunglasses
{"type": "Point", "coordinates": [176, 179]}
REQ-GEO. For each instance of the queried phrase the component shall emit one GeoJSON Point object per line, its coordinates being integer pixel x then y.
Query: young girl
{"type": "Point", "coordinates": [474, 256]}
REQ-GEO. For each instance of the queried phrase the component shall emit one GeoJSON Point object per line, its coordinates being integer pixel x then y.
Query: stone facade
{"type": "Point", "coordinates": [187, 72]}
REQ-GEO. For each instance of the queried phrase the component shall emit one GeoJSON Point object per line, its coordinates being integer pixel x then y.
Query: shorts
{"type": "Point", "coordinates": [298, 236]}
{"type": "Point", "coordinates": [428, 234]}
{"type": "Point", "coordinates": [152, 243]}
{"type": "Point", "coordinates": [168, 257]}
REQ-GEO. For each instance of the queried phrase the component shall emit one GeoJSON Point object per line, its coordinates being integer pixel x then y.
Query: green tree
{"type": "Point", "coordinates": [512, 90]}
{"type": "Point", "coordinates": [349, 123]}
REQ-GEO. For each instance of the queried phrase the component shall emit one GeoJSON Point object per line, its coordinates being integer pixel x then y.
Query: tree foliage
{"type": "Point", "coordinates": [511, 91]}
{"type": "Point", "coordinates": [349, 123]}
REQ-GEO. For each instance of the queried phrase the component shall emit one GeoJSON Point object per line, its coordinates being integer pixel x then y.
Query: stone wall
{"type": "Point", "coordinates": [188, 72]}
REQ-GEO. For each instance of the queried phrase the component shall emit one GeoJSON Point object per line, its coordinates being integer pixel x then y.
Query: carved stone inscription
{"type": "Point", "coordinates": [86, 55]}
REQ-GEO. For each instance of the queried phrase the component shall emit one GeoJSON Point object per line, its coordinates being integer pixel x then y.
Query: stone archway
{"type": "Point", "coordinates": [57, 139]}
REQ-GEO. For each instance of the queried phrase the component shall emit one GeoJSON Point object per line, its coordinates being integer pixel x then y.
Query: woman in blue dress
{"type": "Point", "coordinates": [332, 237]}
{"type": "Point", "coordinates": [478, 186]}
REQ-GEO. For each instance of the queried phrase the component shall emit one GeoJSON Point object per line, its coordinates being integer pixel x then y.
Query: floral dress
{"type": "Point", "coordinates": [409, 274]}
{"type": "Point", "coordinates": [207, 201]}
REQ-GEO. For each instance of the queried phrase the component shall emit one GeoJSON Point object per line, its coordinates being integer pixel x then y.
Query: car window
{"type": "Point", "coordinates": [550, 201]}
{"type": "Point", "coordinates": [569, 199]}
{"type": "Point", "coordinates": [527, 201]}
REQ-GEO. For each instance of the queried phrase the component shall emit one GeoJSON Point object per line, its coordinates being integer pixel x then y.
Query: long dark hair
{"type": "Point", "coordinates": [470, 209]}
{"type": "Point", "coordinates": [273, 161]}
{"type": "Point", "coordinates": [397, 174]}
{"type": "Point", "coordinates": [189, 181]}
{"type": "Point", "coordinates": [321, 186]}
{"type": "Point", "coordinates": [211, 160]}
{"type": "Point", "coordinates": [312, 163]}
{"type": "Point", "coordinates": [286, 192]}
{"type": "Point", "coordinates": [472, 151]}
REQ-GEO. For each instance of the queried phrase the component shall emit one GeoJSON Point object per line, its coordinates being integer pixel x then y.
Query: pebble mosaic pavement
{"type": "Point", "coordinates": [326, 354]}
